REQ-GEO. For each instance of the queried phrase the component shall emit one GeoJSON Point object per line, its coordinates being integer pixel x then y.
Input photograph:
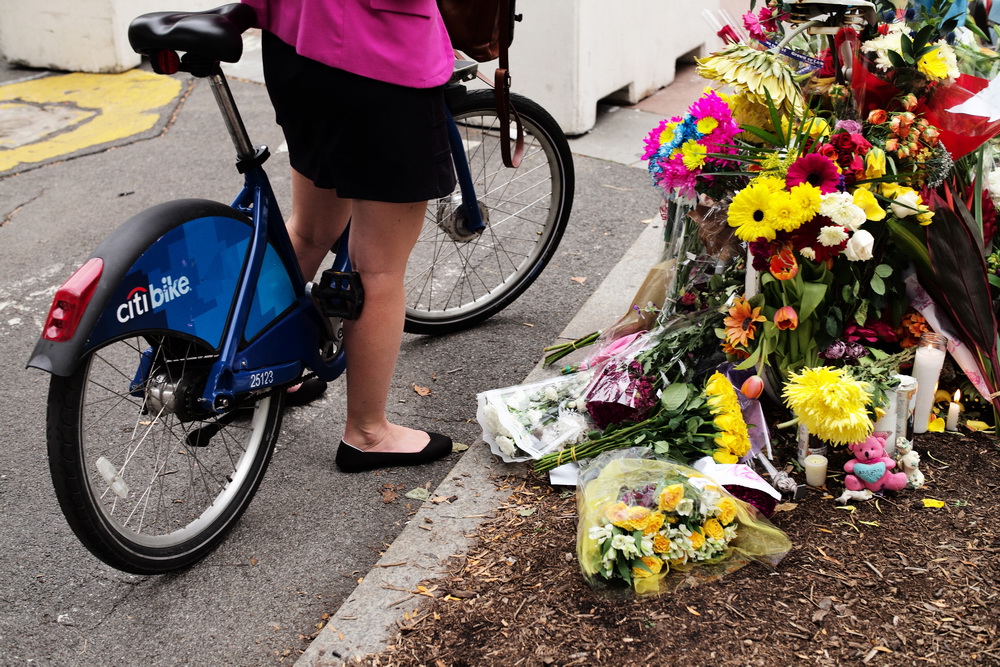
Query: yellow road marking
{"type": "Point", "coordinates": [109, 107]}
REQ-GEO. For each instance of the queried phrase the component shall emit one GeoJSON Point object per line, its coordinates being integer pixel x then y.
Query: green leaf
{"type": "Point", "coordinates": [994, 279]}
{"type": "Point", "coordinates": [812, 296]}
{"type": "Point", "coordinates": [762, 134]}
{"type": "Point", "coordinates": [675, 395]}
{"type": "Point", "coordinates": [883, 270]}
{"type": "Point", "coordinates": [906, 45]}
{"type": "Point", "coordinates": [910, 244]}
{"type": "Point", "coordinates": [895, 59]}
{"type": "Point", "coordinates": [861, 314]}
{"type": "Point", "coordinates": [878, 285]}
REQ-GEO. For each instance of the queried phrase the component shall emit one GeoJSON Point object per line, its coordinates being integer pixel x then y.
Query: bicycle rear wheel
{"type": "Point", "coordinates": [455, 280]}
{"type": "Point", "coordinates": [148, 481]}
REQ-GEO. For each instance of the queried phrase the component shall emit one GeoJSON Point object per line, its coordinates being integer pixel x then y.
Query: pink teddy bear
{"type": "Point", "coordinates": [869, 469]}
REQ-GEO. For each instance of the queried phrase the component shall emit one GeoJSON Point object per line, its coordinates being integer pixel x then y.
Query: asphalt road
{"type": "Point", "coordinates": [311, 531]}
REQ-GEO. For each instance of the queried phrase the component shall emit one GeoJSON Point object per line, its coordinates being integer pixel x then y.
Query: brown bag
{"type": "Point", "coordinates": [483, 29]}
{"type": "Point", "coordinates": [477, 27]}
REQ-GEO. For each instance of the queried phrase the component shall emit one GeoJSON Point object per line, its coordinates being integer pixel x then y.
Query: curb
{"type": "Point", "coordinates": [367, 621]}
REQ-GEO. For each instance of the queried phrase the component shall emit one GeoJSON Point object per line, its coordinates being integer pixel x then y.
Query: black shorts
{"type": "Point", "coordinates": [365, 138]}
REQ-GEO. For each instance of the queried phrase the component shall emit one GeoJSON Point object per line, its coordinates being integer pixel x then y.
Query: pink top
{"type": "Point", "coordinates": [397, 41]}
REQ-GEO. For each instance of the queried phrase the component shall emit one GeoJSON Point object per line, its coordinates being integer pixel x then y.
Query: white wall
{"type": "Point", "coordinates": [568, 54]}
{"type": "Point", "coordinates": [77, 35]}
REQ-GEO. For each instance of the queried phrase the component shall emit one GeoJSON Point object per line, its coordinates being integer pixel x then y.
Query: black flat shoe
{"type": "Point", "coordinates": [352, 459]}
{"type": "Point", "coordinates": [307, 392]}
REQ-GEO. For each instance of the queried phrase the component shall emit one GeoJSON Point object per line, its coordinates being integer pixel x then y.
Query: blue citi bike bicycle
{"type": "Point", "coordinates": [171, 347]}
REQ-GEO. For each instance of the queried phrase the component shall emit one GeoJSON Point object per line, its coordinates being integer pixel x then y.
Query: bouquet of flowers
{"type": "Point", "coordinates": [526, 421]}
{"type": "Point", "coordinates": [656, 526]}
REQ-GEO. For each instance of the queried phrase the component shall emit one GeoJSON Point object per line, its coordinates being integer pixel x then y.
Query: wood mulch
{"type": "Point", "coordinates": [889, 582]}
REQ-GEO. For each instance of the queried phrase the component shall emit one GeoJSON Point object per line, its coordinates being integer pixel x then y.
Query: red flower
{"type": "Point", "coordinates": [814, 169]}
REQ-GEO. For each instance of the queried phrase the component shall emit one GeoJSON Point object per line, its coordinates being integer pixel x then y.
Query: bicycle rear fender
{"type": "Point", "coordinates": [174, 267]}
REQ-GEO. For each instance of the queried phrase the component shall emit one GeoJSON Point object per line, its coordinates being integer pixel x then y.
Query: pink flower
{"type": "Point", "coordinates": [753, 25]}
{"type": "Point", "coordinates": [816, 170]}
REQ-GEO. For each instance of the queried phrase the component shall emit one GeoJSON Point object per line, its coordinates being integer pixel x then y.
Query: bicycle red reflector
{"type": "Point", "coordinates": [165, 62]}
{"type": "Point", "coordinates": [71, 301]}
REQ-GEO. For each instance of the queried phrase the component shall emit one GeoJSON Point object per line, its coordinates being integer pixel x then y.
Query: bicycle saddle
{"type": "Point", "coordinates": [213, 35]}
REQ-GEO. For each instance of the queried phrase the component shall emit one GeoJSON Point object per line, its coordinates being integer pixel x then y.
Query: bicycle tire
{"type": "Point", "coordinates": [454, 282]}
{"type": "Point", "coordinates": [187, 476]}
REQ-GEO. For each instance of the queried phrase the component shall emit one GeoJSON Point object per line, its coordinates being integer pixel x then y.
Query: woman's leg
{"type": "Point", "coordinates": [382, 235]}
{"type": "Point", "coordinates": [318, 219]}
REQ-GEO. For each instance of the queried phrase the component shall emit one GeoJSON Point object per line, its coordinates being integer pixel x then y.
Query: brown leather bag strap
{"type": "Point", "coordinates": [501, 89]}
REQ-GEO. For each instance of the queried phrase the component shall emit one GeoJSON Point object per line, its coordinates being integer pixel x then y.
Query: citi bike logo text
{"type": "Point", "coordinates": [144, 300]}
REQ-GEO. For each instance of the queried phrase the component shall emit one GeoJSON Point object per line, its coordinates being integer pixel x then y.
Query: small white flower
{"type": "Point", "coordinates": [832, 236]}
{"type": "Point", "coordinates": [625, 544]}
{"type": "Point", "coordinates": [601, 533]}
{"type": "Point", "coordinates": [551, 393]}
{"type": "Point", "coordinates": [993, 182]}
{"type": "Point", "coordinates": [859, 248]}
{"type": "Point", "coordinates": [685, 507]}
{"type": "Point", "coordinates": [507, 446]}
{"type": "Point", "coordinates": [808, 253]}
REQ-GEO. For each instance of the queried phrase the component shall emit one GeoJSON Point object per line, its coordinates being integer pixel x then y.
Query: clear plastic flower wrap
{"type": "Point", "coordinates": [528, 420]}
{"type": "Point", "coordinates": [651, 526]}
{"type": "Point", "coordinates": [621, 391]}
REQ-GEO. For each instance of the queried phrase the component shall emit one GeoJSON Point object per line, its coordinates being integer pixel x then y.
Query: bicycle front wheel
{"type": "Point", "coordinates": [148, 481]}
{"type": "Point", "coordinates": [454, 279]}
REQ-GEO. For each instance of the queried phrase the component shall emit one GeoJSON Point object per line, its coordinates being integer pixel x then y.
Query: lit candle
{"type": "Point", "coordinates": [931, 351]}
{"type": "Point", "coordinates": [815, 466]}
{"type": "Point", "coordinates": [953, 409]}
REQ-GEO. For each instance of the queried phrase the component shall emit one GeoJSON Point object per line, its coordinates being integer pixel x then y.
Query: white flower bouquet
{"type": "Point", "coordinates": [526, 421]}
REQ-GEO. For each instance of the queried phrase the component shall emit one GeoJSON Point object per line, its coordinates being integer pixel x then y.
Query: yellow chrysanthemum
{"type": "Point", "coordinates": [697, 540]}
{"type": "Point", "coordinates": [784, 213]}
{"type": "Point", "coordinates": [727, 510]}
{"type": "Point", "coordinates": [713, 529]}
{"type": "Point", "coordinates": [670, 497]}
{"type": "Point", "coordinates": [694, 154]}
{"type": "Point", "coordinates": [748, 213]}
{"type": "Point", "coordinates": [830, 404]}
{"type": "Point", "coordinates": [933, 65]}
{"type": "Point", "coordinates": [653, 566]}
{"type": "Point", "coordinates": [661, 544]}
{"type": "Point", "coordinates": [807, 198]}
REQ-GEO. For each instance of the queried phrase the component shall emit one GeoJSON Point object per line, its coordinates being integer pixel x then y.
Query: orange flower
{"type": "Point", "coordinates": [783, 264]}
{"type": "Point", "coordinates": [877, 116]}
{"type": "Point", "coordinates": [727, 348]}
{"type": "Point", "coordinates": [741, 324]}
{"type": "Point", "coordinates": [786, 318]}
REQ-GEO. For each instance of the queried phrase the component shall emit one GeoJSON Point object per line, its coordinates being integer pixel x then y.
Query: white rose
{"type": "Point", "coordinates": [859, 248]}
{"type": "Point", "coordinates": [906, 204]}
{"type": "Point", "coordinates": [852, 217]}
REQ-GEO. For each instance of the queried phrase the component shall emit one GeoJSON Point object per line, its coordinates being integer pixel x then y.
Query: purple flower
{"type": "Point", "coordinates": [834, 351]}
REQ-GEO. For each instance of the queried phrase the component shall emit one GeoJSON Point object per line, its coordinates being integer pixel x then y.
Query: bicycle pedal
{"type": "Point", "coordinates": [339, 294]}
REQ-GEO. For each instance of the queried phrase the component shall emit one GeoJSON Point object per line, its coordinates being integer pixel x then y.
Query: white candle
{"type": "Point", "coordinates": [815, 466]}
{"type": "Point", "coordinates": [926, 369]}
{"type": "Point", "coordinates": [953, 409]}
